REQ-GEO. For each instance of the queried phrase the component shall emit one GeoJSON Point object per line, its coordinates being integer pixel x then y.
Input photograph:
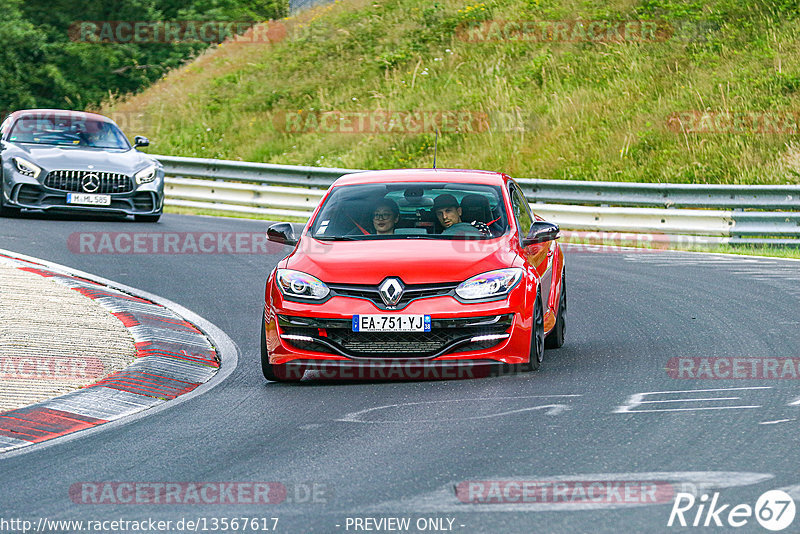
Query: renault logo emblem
{"type": "Point", "coordinates": [391, 290]}
{"type": "Point", "coordinates": [90, 183]}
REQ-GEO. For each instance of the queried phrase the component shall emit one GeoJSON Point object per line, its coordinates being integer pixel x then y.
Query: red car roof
{"type": "Point", "coordinates": [423, 175]}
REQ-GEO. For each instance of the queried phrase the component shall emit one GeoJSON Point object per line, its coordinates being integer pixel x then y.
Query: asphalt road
{"type": "Point", "coordinates": [576, 419]}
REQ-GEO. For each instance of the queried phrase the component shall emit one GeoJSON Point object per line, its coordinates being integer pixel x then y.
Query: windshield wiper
{"type": "Point", "coordinates": [337, 238]}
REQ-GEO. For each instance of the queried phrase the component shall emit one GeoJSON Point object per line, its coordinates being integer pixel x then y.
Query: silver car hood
{"type": "Point", "coordinates": [51, 158]}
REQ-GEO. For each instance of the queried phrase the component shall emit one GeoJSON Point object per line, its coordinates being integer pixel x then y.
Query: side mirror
{"type": "Point", "coordinates": [282, 233]}
{"type": "Point", "coordinates": [540, 232]}
{"type": "Point", "coordinates": [140, 140]}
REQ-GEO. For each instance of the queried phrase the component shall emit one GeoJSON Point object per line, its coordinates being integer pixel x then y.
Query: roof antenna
{"type": "Point", "coordinates": [435, 146]}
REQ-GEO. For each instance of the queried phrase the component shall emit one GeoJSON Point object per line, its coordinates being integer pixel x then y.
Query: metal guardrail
{"type": "Point", "coordinates": [762, 197]}
{"type": "Point", "coordinates": [734, 213]}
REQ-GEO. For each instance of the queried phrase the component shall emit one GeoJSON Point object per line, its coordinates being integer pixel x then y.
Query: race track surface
{"type": "Point", "coordinates": [579, 419]}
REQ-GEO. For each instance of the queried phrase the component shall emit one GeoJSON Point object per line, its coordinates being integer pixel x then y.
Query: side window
{"type": "Point", "coordinates": [522, 211]}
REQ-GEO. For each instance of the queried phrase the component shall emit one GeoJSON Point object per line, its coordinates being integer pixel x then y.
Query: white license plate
{"type": "Point", "coordinates": [391, 323]}
{"type": "Point", "coordinates": [89, 200]}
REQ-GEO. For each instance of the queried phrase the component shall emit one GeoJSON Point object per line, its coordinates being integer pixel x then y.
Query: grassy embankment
{"type": "Point", "coordinates": [591, 110]}
{"type": "Point", "coordinates": [594, 111]}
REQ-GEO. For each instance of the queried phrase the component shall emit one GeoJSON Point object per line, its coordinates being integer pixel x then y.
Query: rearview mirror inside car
{"type": "Point", "coordinates": [540, 232]}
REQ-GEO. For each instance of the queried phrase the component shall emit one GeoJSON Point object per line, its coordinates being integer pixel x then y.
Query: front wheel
{"type": "Point", "coordinates": [275, 373]}
{"type": "Point", "coordinates": [555, 339]}
{"type": "Point", "coordinates": [537, 337]}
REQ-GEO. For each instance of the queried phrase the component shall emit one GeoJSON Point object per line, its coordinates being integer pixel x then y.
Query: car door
{"type": "Point", "coordinates": [538, 255]}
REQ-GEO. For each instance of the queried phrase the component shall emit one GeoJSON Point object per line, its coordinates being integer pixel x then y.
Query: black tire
{"type": "Point", "coordinates": [6, 211]}
{"type": "Point", "coordinates": [275, 373]}
{"type": "Point", "coordinates": [555, 339]}
{"type": "Point", "coordinates": [147, 218]}
{"type": "Point", "coordinates": [536, 353]}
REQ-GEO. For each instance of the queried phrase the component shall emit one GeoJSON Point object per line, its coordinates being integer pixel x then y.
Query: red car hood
{"type": "Point", "coordinates": [414, 261]}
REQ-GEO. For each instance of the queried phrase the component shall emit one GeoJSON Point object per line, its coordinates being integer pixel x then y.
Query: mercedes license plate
{"type": "Point", "coordinates": [88, 200]}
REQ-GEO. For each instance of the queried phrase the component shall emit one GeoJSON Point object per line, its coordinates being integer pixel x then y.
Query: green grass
{"type": "Point", "coordinates": [224, 213]}
{"type": "Point", "coordinates": [746, 250]}
{"type": "Point", "coordinates": [595, 111]}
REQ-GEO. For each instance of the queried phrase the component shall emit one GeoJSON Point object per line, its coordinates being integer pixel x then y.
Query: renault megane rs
{"type": "Point", "coordinates": [433, 268]}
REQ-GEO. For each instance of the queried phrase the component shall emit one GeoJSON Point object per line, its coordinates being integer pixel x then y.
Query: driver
{"type": "Point", "coordinates": [96, 134]}
{"type": "Point", "coordinates": [385, 216]}
{"type": "Point", "coordinates": [448, 211]}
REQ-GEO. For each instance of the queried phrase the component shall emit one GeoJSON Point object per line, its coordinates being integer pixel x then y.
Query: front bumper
{"type": "Point", "coordinates": [24, 192]}
{"type": "Point", "coordinates": [496, 332]}
{"type": "Point", "coordinates": [38, 197]}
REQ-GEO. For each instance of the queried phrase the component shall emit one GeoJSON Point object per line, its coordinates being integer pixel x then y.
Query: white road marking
{"type": "Point", "coordinates": [793, 491]}
{"type": "Point", "coordinates": [637, 399]}
{"type": "Point", "coordinates": [552, 409]}
{"type": "Point", "coordinates": [776, 422]}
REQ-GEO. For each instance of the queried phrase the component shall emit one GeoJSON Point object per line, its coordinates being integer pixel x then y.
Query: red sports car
{"type": "Point", "coordinates": [415, 269]}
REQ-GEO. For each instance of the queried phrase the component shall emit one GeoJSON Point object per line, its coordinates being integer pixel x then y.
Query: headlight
{"type": "Point", "coordinates": [491, 284]}
{"type": "Point", "coordinates": [297, 284]}
{"type": "Point", "coordinates": [27, 168]}
{"type": "Point", "coordinates": [146, 175]}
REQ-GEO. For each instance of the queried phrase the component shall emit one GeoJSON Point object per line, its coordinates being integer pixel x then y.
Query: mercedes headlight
{"type": "Point", "coordinates": [491, 284]}
{"type": "Point", "coordinates": [26, 168]}
{"type": "Point", "coordinates": [298, 284]}
{"type": "Point", "coordinates": [148, 174]}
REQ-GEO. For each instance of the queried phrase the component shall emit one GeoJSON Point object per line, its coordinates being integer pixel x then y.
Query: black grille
{"type": "Point", "coordinates": [143, 201]}
{"type": "Point", "coordinates": [110, 182]}
{"type": "Point", "coordinates": [335, 336]}
{"type": "Point", "coordinates": [28, 194]}
{"type": "Point", "coordinates": [410, 292]}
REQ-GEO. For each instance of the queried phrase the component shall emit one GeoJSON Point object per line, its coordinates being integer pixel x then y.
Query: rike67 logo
{"type": "Point", "coordinates": [774, 510]}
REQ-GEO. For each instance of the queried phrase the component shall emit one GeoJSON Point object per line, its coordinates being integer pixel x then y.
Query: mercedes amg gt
{"type": "Point", "coordinates": [415, 269]}
{"type": "Point", "coordinates": [58, 160]}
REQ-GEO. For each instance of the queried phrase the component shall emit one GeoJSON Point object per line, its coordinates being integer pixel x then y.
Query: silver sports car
{"type": "Point", "coordinates": [60, 160]}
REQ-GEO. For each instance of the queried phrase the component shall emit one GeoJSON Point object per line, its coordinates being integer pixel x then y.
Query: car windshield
{"type": "Point", "coordinates": [67, 130]}
{"type": "Point", "coordinates": [412, 210]}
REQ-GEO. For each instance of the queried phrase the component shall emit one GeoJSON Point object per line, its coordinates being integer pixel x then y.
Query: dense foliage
{"type": "Point", "coordinates": [43, 65]}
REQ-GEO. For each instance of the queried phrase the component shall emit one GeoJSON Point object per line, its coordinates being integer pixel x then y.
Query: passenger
{"type": "Point", "coordinates": [448, 211]}
{"type": "Point", "coordinates": [385, 216]}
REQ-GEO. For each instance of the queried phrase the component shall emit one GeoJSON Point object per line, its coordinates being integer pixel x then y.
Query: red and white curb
{"type": "Point", "coordinates": [173, 358]}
